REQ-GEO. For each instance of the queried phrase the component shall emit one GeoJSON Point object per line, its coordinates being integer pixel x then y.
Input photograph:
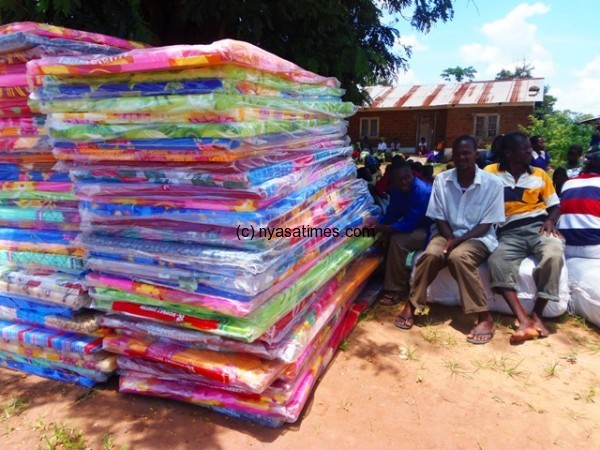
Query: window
{"type": "Point", "coordinates": [369, 127]}
{"type": "Point", "coordinates": [486, 125]}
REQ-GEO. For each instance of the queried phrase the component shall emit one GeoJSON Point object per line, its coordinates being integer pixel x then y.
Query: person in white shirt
{"type": "Point", "coordinates": [466, 203]}
{"type": "Point", "coordinates": [382, 147]}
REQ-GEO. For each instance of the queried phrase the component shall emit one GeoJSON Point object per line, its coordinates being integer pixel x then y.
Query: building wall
{"type": "Point", "coordinates": [462, 120]}
{"type": "Point", "coordinates": [401, 124]}
{"type": "Point", "coordinates": [448, 123]}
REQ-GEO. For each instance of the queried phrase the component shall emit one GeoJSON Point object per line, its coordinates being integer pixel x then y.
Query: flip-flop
{"type": "Point", "coordinates": [402, 323]}
{"type": "Point", "coordinates": [390, 300]}
{"type": "Point", "coordinates": [475, 333]}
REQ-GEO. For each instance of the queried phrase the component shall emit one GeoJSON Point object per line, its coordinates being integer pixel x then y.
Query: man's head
{"type": "Point", "coordinates": [464, 152]}
{"type": "Point", "coordinates": [592, 160]}
{"type": "Point", "coordinates": [537, 143]}
{"type": "Point", "coordinates": [372, 164]}
{"type": "Point", "coordinates": [497, 145]}
{"type": "Point", "coordinates": [401, 177]}
{"type": "Point", "coordinates": [574, 154]}
{"type": "Point", "coordinates": [516, 149]}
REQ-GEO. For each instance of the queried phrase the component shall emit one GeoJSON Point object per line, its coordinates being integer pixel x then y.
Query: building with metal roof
{"type": "Point", "coordinates": [442, 112]}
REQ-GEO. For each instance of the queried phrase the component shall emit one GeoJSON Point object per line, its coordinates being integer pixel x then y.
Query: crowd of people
{"type": "Point", "coordinates": [502, 207]}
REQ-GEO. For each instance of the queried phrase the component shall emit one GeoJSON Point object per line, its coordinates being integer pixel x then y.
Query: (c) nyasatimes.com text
{"type": "Point", "coordinates": [304, 231]}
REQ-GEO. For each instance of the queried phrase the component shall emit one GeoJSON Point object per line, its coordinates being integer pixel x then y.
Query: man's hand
{"type": "Point", "coordinates": [550, 229]}
{"type": "Point", "coordinates": [450, 244]}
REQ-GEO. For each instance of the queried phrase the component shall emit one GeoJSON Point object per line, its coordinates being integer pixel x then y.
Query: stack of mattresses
{"type": "Point", "coordinates": [44, 325]}
{"type": "Point", "coordinates": [180, 156]}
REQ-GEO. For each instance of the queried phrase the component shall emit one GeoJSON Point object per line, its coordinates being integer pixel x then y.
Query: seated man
{"type": "Point", "coordinates": [405, 227]}
{"type": "Point", "coordinates": [574, 165]}
{"type": "Point", "coordinates": [580, 208]}
{"type": "Point", "coordinates": [532, 210]}
{"type": "Point", "coordinates": [465, 204]}
{"type": "Point", "coordinates": [437, 156]}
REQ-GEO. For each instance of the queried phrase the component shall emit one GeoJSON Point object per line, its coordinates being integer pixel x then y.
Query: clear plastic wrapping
{"type": "Point", "coordinates": [45, 286]}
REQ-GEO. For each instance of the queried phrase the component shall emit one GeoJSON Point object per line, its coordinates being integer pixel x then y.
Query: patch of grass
{"type": "Point", "coordinates": [436, 337]}
{"type": "Point", "coordinates": [511, 370]}
{"type": "Point", "coordinates": [39, 424]}
{"type": "Point", "coordinates": [575, 415]}
{"type": "Point", "coordinates": [581, 323]}
{"type": "Point", "coordinates": [91, 393]}
{"type": "Point", "coordinates": [344, 345]}
{"type": "Point", "coordinates": [490, 364]}
{"type": "Point", "coordinates": [550, 369]}
{"type": "Point", "coordinates": [108, 441]}
{"type": "Point", "coordinates": [588, 395]}
{"type": "Point", "coordinates": [346, 404]}
{"type": "Point", "coordinates": [63, 437]}
{"type": "Point", "coordinates": [533, 408]}
{"type": "Point", "coordinates": [368, 314]}
{"type": "Point", "coordinates": [498, 322]}
{"type": "Point", "coordinates": [408, 352]}
{"type": "Point", "coordinates": [456, 369]}
{"type": "Point", "coordinates": [448, 340]}
{"type": "Point", "coordinates": [14, 407]}
{"type": "Point", "coordinates": [593, 347]}
{"type": "Point", "coordinates": [431, 335]}
{"type": "Point", "coordinates": [571, 358]}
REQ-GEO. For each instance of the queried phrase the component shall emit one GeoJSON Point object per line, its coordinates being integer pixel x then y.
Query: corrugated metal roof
{"type": "Point", "coordinates": [476, 93]}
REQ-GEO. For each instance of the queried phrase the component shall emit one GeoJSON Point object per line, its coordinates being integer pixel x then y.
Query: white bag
{"type": "Point", "coordinates": [444, 290]}
{"type": "Point", "coordinates": [585, 288]}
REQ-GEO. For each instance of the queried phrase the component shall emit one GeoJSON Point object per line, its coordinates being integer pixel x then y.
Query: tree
{"type": "Point", "coordinates": [523, 71]}
{"type": "Point", "coordinates": [546, 106]}
{"type": "Point", "coordinates": [459, 73]}
{"type": "Point", "coordinates": [560, 130]}
{"type": "Point", "coordinates": [345, 39]}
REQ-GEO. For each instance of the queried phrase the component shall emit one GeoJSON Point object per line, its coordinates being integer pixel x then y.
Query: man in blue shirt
{"type": "Point", "coordinates": [539, 155]}
{"type": "Point", "coordinates": [405, 227]}
{"type": "Point", "coordinates": [466, 203]}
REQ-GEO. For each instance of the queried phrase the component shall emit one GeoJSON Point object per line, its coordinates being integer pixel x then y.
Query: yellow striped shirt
{"type": "Point", "coordinates": [527, 197]}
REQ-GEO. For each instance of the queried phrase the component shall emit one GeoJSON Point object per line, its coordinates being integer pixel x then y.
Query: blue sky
{"type": "Point", "coordinates": [560, 38]}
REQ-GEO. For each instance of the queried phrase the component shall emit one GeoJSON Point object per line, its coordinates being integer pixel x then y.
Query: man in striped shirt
{"type": "Point", "coordinates": [532, 210]}
{"type": "Point", "coordinates": [580, 209]}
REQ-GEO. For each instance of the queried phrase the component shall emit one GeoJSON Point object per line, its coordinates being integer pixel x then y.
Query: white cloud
{"type": "Point", "coordinates": [408, 77]}
{"type": "Point", "coordinates": [510, 41]}
{"type": "Point", "coordinates": [583, 94]}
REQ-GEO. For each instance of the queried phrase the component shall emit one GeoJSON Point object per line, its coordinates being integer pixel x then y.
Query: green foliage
{"type": "Point", "coordinates": [560, 130]}
{"type": "Point", "coordinates": [459, 73]}
{"type": "Point", "coordinates": [523, 71]}
{"type": "Point", "coordinates": [547, 105]}
{"type": "Point", "coordinates": [346, 40]}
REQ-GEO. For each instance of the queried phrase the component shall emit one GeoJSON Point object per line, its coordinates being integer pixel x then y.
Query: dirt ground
{"type": "Point", "coordinates": [388, 388]}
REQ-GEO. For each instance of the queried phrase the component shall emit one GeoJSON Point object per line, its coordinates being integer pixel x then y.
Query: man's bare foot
{"type": "Point", "coordinates": [525, 332]}
{"type": "Point", "coordinates": [539, 326]}
{"type": "Point", "coordinates": [482, 333]}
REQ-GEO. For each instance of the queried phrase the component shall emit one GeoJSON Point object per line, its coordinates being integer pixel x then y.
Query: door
{"type": "Point", "coordinates": [425, 128]}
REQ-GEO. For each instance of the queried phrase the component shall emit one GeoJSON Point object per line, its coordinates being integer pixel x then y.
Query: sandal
{"type": "Point", "coordinates": [389, 300]}
{"type": "Point", "coordinates": [404, 324]}
{"type": "Point", "coordinates": [476, 333]}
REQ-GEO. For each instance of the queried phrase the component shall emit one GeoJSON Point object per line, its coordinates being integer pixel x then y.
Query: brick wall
{"type": "Point", "coordinates": [401, 124]}
{"type": "Point", "coordinates": [449, 123]}
{"type": "Point", "coordinates": [462, 120]}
